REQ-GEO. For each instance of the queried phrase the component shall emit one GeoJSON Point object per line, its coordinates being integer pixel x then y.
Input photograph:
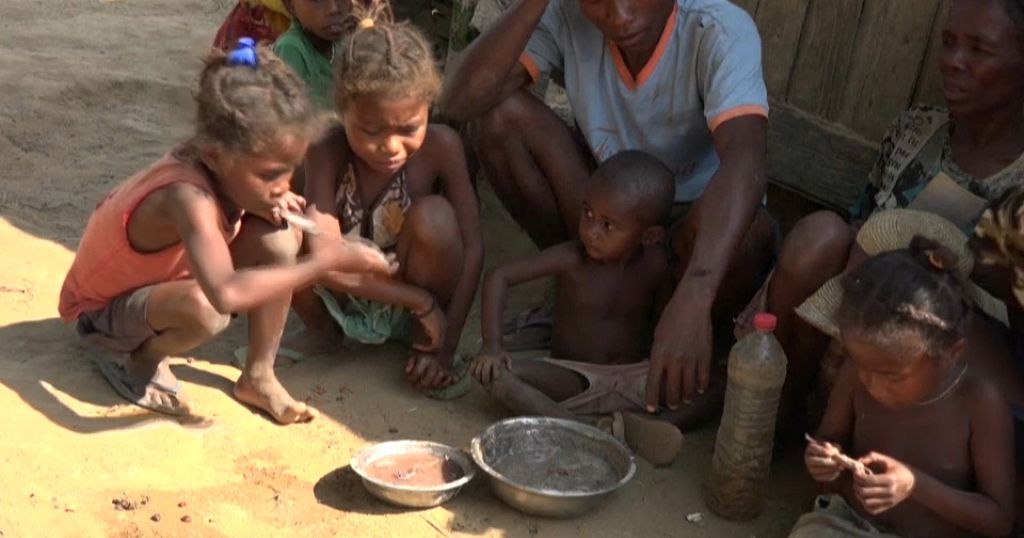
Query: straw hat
{"type": "Point", "coordinates": [892, 230]}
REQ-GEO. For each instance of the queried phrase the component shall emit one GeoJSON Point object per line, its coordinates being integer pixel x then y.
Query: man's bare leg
{"type": "Point", "coordinates": [817, 249]}
{"type": "Point", "coordinates": [535, 166]}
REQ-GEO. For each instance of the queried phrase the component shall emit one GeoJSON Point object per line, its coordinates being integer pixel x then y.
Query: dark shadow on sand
{"type": "Point", "coordinates": [43, 358]}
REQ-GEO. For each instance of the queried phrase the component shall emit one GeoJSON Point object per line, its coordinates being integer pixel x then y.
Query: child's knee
{"type": "Point", "coordinates": [501, 120]}
{"type": "Point", "coordinates": [207, 320]}
{"type": "Point", "coordinates": [431, 221]}
{"type": "Point", "coordinates": [275, 246]}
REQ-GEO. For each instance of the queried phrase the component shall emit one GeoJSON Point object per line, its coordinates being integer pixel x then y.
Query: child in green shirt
{"type": "Point", "coordinates": [308, 45]}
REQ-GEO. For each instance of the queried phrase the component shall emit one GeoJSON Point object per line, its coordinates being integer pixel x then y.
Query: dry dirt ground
{"type": "Point", "coordinates": [91, 90]}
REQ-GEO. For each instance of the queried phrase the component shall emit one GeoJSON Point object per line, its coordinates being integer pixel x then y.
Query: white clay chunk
{"type": "Point", "coordinates": [299, 222]}
{"type": "Point", "coordinates": [839, 457]}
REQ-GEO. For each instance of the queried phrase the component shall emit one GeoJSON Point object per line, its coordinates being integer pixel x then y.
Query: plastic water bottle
{"type": "Point", "coordinates": [743, 447]}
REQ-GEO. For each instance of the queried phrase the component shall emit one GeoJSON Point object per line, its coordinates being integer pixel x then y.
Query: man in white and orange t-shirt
{"type": "Point", "coordinates": [679, 79]}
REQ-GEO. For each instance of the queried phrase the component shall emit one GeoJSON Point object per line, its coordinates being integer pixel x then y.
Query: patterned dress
{"type": "Point", "coordinates": [382, 220]}
{"type": "Point", "coordinates": [913, 152]}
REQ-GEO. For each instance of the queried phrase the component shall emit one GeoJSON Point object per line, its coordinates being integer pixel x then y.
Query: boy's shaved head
{"type": "Point", "coordinates": [642, 180]}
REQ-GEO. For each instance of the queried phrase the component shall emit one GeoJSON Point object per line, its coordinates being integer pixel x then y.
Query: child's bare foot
{"type": "Point", "coordinates": [310, 343]}
{"type": "Point", "coordinates": [267, 394]}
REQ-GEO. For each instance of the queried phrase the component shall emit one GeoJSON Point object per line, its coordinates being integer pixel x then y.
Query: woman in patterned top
{"type": "Point", "coordinates": [973, 148]}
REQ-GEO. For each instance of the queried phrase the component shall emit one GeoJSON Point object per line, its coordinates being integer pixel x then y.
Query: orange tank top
{"type": "Point", "coordinates": [106, 265]}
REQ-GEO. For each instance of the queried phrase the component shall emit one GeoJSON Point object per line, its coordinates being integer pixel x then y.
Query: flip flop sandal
{"type": "Point", "coordinates": [128, 389]}
{"type": "Point", "coordinates": [460, 387]}
{"type": "Point", "coordinates": [532, 320]}
{"type": "Point", "coordinates": [241, 354]}
{"type": "Point", "coordinates": [657, 441]}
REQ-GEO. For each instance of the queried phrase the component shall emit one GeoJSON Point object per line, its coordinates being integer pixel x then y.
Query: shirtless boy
{"type": "Point", "coordinates": [611, 285]}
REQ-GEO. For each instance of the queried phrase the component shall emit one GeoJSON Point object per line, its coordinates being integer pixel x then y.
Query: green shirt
{"type": "Point", "coordinates": [312, 67]}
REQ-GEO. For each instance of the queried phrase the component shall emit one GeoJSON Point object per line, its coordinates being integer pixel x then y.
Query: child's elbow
{"type": "Point", "coordinates": [225, 300]}
{"type": "Point", "coordinates": [494, 276]}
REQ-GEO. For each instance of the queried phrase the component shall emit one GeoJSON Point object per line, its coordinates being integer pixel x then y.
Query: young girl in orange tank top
{"type": "Point", "coordinates": [159, 267]}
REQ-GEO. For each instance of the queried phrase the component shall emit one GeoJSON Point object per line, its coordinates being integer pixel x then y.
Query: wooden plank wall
{"type": "Point", "coordinates": [838, 73]}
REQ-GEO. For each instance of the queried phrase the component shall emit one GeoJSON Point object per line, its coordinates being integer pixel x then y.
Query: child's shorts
{"type": "Point", "coordinates": [611, 388]}
{"type": "Point", "coordinates": [121, 326]}
{"type": "Point", "coordinates": [832, 517]}
{"type": "Point", "coordinates": [368, 322]}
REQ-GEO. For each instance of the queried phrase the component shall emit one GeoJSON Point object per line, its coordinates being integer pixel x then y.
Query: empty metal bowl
{"type": "Point", "coordinates": [390, 487]}
{"type": "Point", "coordinates": [552, 467]}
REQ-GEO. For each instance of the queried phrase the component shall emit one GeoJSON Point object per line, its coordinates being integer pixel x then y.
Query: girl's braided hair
{"type": "Point", "coordinates": [384, 58]}
{"type": "Point", "coordinates": [916, 291]}
{"type": "Point", "coordinates": [247, 108]}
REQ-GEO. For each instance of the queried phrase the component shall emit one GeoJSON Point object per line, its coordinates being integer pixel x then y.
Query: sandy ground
{"type": "Point", "coordinates": [93, 90]}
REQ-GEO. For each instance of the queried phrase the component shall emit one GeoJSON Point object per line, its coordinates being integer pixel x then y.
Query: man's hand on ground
{"type": "Point", "coordinates": [681, 354]}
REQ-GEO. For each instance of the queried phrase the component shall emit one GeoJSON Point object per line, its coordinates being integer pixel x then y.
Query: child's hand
{"type": "Point", "coordinates": [426, 372]}
{"type": "Point", "coordinates": [289, 202]}
{"type": "Point", "coordinates": [489, 365]}
{"type": "Point", "coordinates": [360, 256]}
{"type": "Point", "coordinates": [888, 484]}
{"type": "Point", "coordinates": [820, 462]}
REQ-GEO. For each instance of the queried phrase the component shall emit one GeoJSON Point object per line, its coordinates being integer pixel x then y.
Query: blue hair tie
{"type": "Point", "coordinates": [244, 53]}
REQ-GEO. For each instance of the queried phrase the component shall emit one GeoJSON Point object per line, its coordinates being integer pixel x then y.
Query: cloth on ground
{"type": "Point", "coordinates": [610, 387]}
{"type": "Point", "coordinates": [832, 517]}
{"type": "Point", "coordinates": [368, 322]}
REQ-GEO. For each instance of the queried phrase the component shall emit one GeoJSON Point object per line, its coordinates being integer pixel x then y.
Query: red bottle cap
{"type": "Point", "coordinates": [765, 322]}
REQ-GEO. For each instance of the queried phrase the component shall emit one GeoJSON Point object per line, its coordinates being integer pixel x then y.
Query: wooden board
{"type": "Point", "coordinates": [749, 5]}
{"type": "Point", "coordinates": [928, 89]}
{"type": "Point", "coordinates": [886, 61]}
{"type": "Point", "coordinates": [780, 23]}
{"type": "Point", "coordinates": [821, 64]}
{"type": "Point", "coordinates": [822, 162]}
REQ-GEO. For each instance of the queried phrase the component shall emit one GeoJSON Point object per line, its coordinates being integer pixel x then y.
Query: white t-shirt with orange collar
{"type": "Point", "coordinates": [705, 70]}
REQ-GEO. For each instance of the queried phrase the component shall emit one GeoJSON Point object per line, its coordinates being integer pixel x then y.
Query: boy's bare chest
{"type": "Point", "coordinates": [611, 290]}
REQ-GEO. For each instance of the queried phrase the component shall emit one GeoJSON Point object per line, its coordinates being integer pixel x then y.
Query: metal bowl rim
{"type": "Point", "coordinates": [477, 453]}
{"type": "Point", "coordinates": [464, 462]}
